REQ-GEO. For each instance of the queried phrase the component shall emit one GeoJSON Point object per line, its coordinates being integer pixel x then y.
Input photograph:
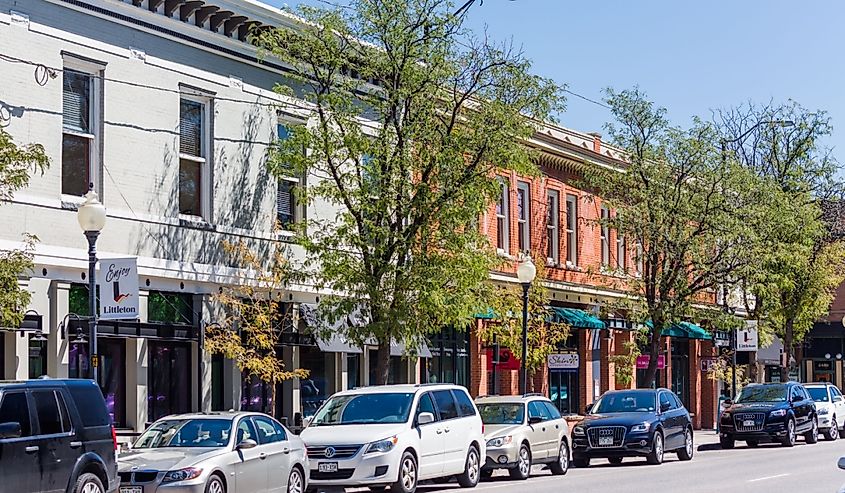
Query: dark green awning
{"type": "Point", "coordinates": [575, 318]}
{"type": "Point", "coordinates": [686, 330]}
{"type": "Point", "coordinates": [487, 315]}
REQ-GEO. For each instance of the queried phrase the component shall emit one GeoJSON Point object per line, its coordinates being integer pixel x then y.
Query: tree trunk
{"type": "Point", "coordinates": [788, 350]}
{"type": "Point", "coordinates": [272, 404]}
{"type": "Point", "coordinates": [654, 352]}
{"type": "Point", "coordinates": [383, 363]}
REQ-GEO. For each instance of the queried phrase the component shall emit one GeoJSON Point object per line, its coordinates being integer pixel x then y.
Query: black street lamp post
{"type": "Point", "coordinates": [525, 272]}
{"type": "Point", "coordinates": [92, 217]}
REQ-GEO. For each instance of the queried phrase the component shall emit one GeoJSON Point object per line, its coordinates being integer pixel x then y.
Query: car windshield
{"type": "Point", "coordinates": [186, 433]}
{"type": "Point", "coordinates": [819, 394]}
{"type": "Point", "coordinates": [763, 393]}
{"type": "Point", "coordinates": [502, 414]}
{"type": "Point", "coordinates": [362, 409]}
{"type": "Point", "coordinates": [635, 401]}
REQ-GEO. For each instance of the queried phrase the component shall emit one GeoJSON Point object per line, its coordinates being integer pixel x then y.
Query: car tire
{"type": "Point", "coordinates": [561, 466]}
{"type": "Point", "coordinates": [832, 434]}
{"type": "Point", "coordinates": [789, 439]}
{"type": "Point", "coordinates": [581, 462]}
{"type": "Point", "coordinates": [472, 469]}
{"type": "Point", "coordinates": [726, 442]}
{"type": "Point", "coordinates": [655, 457]}
{"type": "Point", "coordinates": [88, 483]}
{"type": "Point", "coordinates": [406, 481]}
{"type": "Point", "coordinates": [615, 460]}
{"type": "Point", "coordinates": [215, 484]}
{"type": "Point", "coordinates": [812, 436]}
{"type": "Point", "coordinates": [522, 471]}
{"type": "Point", "coordinates": [686, 452]}
{"type": "Point", "coordinates": [752, 443]}
{"type": "Point", "coordinates": [296, 481]}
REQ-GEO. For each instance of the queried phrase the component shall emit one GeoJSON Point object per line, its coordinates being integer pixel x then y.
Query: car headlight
{"type": "Point", "coordinates": [642, 427]}
{"type": "Point", "coordinates": [499, 441]}
{"type": "Point", "coordinates": [382, 446]}
{"type": "Point", "coordinates": [578, 430]}
{"type": "Point", "coordinates": [824, 411]}
{"type": "Point", "coordinates": [778, 412]}
{"type": "Point", "coordinates": [182, 475]}
{"type": "Point", "coordinates": [726, 414]}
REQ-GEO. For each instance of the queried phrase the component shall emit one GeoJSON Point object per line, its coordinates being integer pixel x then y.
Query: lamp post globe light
{"type": "Point", "coordinates": [525, 272]}
{"type": "Point", "coordinates": [92, 218]}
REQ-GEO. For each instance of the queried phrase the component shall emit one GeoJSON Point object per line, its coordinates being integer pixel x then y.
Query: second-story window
{"type": "Point", "coordinates": [194, 168]}
{"type": "Point", "coordinates": [80, 124]}
{"type": "Point", "coordinates": [503, 238]}
{"type": "Point", "coordinates": [571, 230]}
{"type": "Point", "coordinates": [523, 207]}
{"type": "Point", "coordinates": [605, 237]}
{"type": "Point", "coordinates": [553, 227]}
{"type": "Point", "coordinates": [288, 209]}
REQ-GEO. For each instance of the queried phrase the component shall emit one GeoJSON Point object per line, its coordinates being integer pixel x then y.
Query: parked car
{"type": "Point", "coordinates": [770, 412]}
{"type": "Point", "coordinates": [633, 423]}
{"type": "Point", "coordinates": [396, 436]}
{"type": "Point", "coordinates": [841, 464]}
{"type": "Point", "coordinates": [517, 439]}
{"type": "Point", "coordinates": [56, 436]}
{"type": "Point", "coordinates": [830, 407]}
{"type": "Point", "coordinates": [215, 453]}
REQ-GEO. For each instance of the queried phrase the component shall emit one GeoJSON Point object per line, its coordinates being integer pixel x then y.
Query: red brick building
{"type": "Point", "coordinates": [587, 267]}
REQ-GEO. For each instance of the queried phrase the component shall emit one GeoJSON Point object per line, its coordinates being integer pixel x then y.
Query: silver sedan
{"type": "Point", "coordinates": [215, 453]}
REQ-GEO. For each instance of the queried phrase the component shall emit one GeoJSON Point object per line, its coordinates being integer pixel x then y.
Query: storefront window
{"type": "Point", "coordinates": [314, 389]}
{"type": "Point", "coordinates": [680, 369]}
{"type": "Point", "coordinates": [395, 373]}
{"type": "Point", "coordinates": [112, 373]}
{"type": "Point", "coordinates": [78, 299]}
{"type": "Point", "coordinates": [217, 366]}
{"type": "Point", "coordinates": [169, 379]}
{"type": "Point", "coordinates": [37, 357]}
{"type": "Point", "coordinates": [176, 308]}
{"type": "Point", "coordinates": [256, 395]}
{"type": "Point", "coordinates": [450, 358]}
{"type": "Point", "coordinates": [353, 370]}
{"type": "Point", "coordinates": [564, 384]}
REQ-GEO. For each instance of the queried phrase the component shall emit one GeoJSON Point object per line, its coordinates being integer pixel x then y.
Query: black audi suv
{"type": "Point", "coordinates": [771, 412]}
{"type": "Point", "coordinates": [633, 423]}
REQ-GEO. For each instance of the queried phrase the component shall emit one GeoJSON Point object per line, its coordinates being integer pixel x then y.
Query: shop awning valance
{"type": "Point", "coordinates": [575, 318]}
{"type": "Point", "coordinates": [686, 330]}
{"type": "Point", "coordinates": [336, 343]}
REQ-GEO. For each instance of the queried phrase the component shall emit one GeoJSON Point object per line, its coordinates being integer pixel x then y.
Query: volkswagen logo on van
{"type": "Point", "coordinates": [329, 453]}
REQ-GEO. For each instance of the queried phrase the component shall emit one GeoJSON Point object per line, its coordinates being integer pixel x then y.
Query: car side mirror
{"type": "Point", "coordinates": [838, 398]}
{"type": "Point", "coordinates": [425, 418]}
{"type": "Point", "coordinates": [842, 462]}
{"type": "Point", "coordinates": [246, 444]}
{"type": "Point", "coordinates": [665, 406]}
{"type": "Point", "coordinates": [589, 408]}
{"type": "Point", "coordinates": [11, 429]}
{"type": "Point", "coordinates": [533, 420]}
{"type": "Point", "coordinates": [306, 421]}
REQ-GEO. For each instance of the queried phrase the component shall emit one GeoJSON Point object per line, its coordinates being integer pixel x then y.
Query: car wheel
{"type": "Point", "coordinates": [407, 480]}
{"type": "Point", "coordinates": [89, 483]}
{"type": "Point", "coordinates": [560, 467]}
{"type": "Point", "coordinates": [295, 481]}
{"type": "Point", "coordinates": [832, 434]}
{"type": "Point", "coordinates": [615, 460]}
{"type": "Point", "coordinates": [655, 457]}
{"type": "Point", "coordinates": [215, 484]}
{"type": "Point", "coordinates": [726, 442]}
{"type": "Point", "coordinates": [812, 436]}
{"type": "Point", "coordinates": [472, 469]}
{"type": "Point", "coordinates": [789, 439]}
{"type": "Point", "coordinates": [523, 464]}
{"type": "Point", "coordinates": [581, 462]}
{"type": "Point", "coordinates": [752, 443]}
{"type": "Point", "coordinates": [688, 450]}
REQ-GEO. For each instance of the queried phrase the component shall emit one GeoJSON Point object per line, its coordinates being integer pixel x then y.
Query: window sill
{"type": "Point", "coordinates": [503, 254]}
{"type": "Point", "coordinates": [71, 202]}
{"type": "Point", "coordinates": [572, 267]}
{"type": "Point", "coordinates": [195, 222]}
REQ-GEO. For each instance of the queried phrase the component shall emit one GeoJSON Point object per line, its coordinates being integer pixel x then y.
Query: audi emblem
{"type": "Point", "coordinates": [329, 453]}
{"type": "Point", "coordinates": [605, 433]}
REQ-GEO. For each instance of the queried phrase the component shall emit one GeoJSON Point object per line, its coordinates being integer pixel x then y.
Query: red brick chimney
{"type": "Point", "coordinates": [596, 142]}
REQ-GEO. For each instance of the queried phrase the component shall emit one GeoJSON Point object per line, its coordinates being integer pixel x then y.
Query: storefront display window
{"type": "Point", "coordinates": [169, 379]}
{"type": "Point", "coordinates": [37, 357]}
{"type": "Point", "coordinates": [176, 308]}
{"type": "Point", "coordinates": [564, 384]}
{"type": "Point", "coordinates": [217, 366]}
{"type": "Point", "coordinates": [112, 373]}
{"type": "Point", "coordinates": [313, 390]}
{"type": "Point", "coordinates": [450, 358]}
{"type": "Point", "coordinates": [680, 369]}
{"type": "Point", "coordinates": [256, 395]}
{"type": "Point", "coordinates": [353, 370]}
{"type": "Point", "coordinates": [395, 373]}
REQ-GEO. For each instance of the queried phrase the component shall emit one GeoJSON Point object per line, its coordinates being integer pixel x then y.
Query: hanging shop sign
{"type": "Point", "coordinates": [118, 280]}
{"type": "Point", "coordinates": [746, 339]}
{"type": "Point", "coordinates": [643, 359]}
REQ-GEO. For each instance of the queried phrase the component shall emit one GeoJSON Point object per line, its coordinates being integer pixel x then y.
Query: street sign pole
{"type": "Point", "coordinates": [733, 365]}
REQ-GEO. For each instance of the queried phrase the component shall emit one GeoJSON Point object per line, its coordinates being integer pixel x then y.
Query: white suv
{"type": "Point", "coordinates": [395, 435]}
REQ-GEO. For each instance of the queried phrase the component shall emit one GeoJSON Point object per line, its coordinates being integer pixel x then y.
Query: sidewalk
{"type": "Point", "coordinates": [706, 439]}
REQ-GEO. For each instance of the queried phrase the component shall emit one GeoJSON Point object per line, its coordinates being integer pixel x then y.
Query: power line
{"type": "Point", "coordinates": [585, 98]}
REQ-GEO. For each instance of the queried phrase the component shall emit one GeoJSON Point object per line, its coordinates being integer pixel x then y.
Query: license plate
{"type": "Point", "coordinates": [748, 422]}
{"type": "Point", "coordinates": [131, 489]}
{"type": "Point", "coordinates": [605, 441]}
{"type": "Point", "coordinates": [325, 467]}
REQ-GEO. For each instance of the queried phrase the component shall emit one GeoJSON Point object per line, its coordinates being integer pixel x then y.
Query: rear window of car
{"type": "Point", "coordinates": [90, 405]}
{"type": "Point", "coordinates": [465, 406]}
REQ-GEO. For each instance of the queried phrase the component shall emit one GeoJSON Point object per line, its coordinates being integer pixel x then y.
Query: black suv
{"type": "Point", "coordinates": [771, 412]}
{"type": "Point", "coordinates": [56, 436]}
{"type": "Point", "coordinates": [633, 423]}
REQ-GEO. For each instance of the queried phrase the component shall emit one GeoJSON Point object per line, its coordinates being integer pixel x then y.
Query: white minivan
{"type": "Point", "coordinates": [396, 436]}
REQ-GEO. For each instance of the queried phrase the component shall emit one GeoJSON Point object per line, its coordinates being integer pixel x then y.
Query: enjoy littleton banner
{"type": "Point", "coordinates": [118, 280]}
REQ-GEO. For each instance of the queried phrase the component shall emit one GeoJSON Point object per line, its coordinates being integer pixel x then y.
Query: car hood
{"type": "Point", "coordinates": [494, 431]}
{"type": "Point", "coordinates": [165, 459]}
{"type": "Point", "coordinates": [617, 419]}
{"type": "Point", "coordinates": [756, 406]}
{"type": "Point", "coordinates": [349, 434]}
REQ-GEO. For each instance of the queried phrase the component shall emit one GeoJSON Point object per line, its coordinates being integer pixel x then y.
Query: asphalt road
{"type": "Point", "coordinates": [769, 468]}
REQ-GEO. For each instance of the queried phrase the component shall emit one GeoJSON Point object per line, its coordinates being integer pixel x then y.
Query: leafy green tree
{"type": "Point", "coordinates": [412, 120]}
{"type": "Point", "coordinates": [687, 213]}
{"type": "Point", "coordinates": [16, 165]}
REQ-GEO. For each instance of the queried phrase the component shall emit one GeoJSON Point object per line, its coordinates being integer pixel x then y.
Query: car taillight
{"type": "Point", "coordinates": [114, 437]}
{"type": "Point", "coordinates": [482, 428]}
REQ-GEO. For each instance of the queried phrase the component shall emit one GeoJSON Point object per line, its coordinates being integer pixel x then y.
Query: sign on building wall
{"type": "Point", "coordinates": [746, 339]}
{"type": "Point", "coordinates": [643, 359]}
{"type": "Point", "coordinates": [118, 280]}
{"type": "Point", "coordinates": [707, 364]}
{"type": "Point", "coordinates": [564, 362]}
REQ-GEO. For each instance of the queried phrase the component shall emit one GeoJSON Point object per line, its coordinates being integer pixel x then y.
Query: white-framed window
{"type": "Point", "coordinates": [571, 230]}
{"type": "Point", "coordinates": [553, 227]}
{"type": "Point", "coordinates": [503, 237]}
{"type": "Point", "coordinates": [523, 222]}
{"type": "Point", "coordinates": [81, 118]}
{"type": "Point", "coordinates": [289, 210]}
{"type": "Point", "coordinates": [605, 237]}
{"type": "Point", "coordinates": [194, 156]}
{"type": "Point", "coordinates": [620, 251]}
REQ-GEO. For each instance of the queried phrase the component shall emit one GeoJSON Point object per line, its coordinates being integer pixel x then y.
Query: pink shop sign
{"type": "Point", "coordinates": [643, 359]}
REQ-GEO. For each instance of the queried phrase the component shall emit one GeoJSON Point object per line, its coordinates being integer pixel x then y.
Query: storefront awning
{"type": "Point", "coordinates": [398, 349]}
{"type": "Point", "coordinates": [575, 318]}
{"type": "Point", "coordinates": [335, 343]}
{"type": "Point", "coordinates": [489, 314]}
{"type": "Point", "coordinates": [686, 330]}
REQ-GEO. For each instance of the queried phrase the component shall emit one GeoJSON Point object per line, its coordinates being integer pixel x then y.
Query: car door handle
{"type": "Point", "coordinates": [31, 449]}
{"type": "Point", "coordinates": [439, 432]}
{"type": "Point", "coordinates": [447, 430]}
{"type": "Point", "coordinates": [75, 444]}
{"type": "Point", "coordinates": [286, 450]}
{"type": "Point", "coordinates": [262, 456]}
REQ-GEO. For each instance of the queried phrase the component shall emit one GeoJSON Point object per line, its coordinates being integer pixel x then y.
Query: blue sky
{"type": "Point", "coordinates": [689, 56]}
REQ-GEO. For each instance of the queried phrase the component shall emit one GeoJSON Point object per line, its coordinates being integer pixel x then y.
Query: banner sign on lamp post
{"type": "Point", "coordinates": [118, 281]}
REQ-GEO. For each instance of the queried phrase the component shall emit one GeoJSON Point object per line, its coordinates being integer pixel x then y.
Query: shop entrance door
{"type": "Point", "coordinates": [680, 370]}
{"type": "Point", "coordinates": [563, 391]}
